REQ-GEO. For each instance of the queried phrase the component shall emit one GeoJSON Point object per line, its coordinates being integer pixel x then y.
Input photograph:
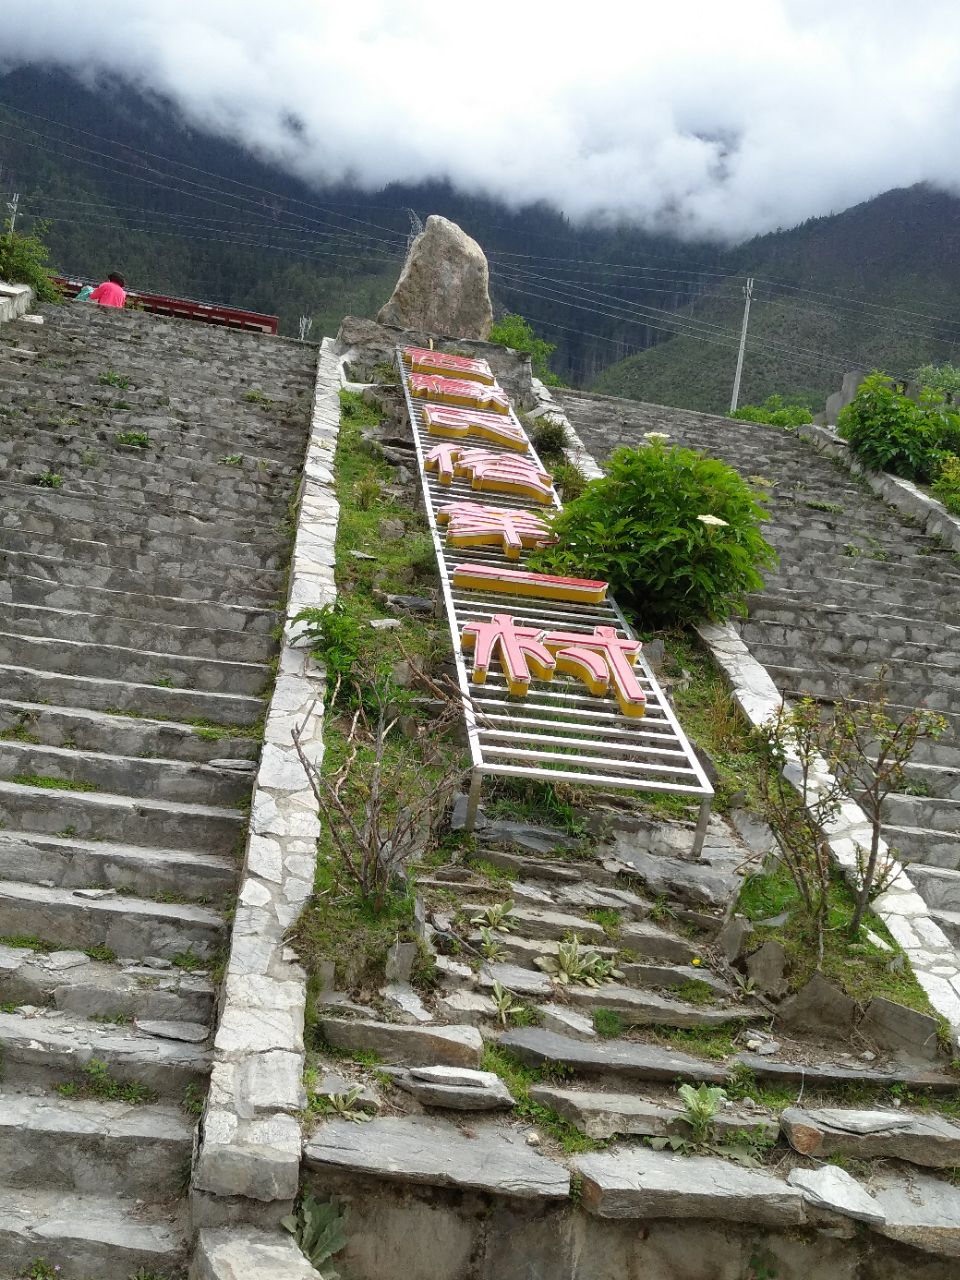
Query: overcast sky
{"type": "Point", "coordinates": [716, 117]}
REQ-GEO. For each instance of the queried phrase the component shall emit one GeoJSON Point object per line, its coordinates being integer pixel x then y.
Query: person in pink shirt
{"type": "Point", "coordinates": [111, 293]}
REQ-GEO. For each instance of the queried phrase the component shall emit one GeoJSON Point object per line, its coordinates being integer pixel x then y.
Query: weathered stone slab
{"type": "Point", "coordinates": [602, 1115]}
{"type": "Point", "coordinates": [520, 981]}
{"type": "Point", "coordinates": [834, 1189]}
{"type": "Point", "coordinates": [431, 1152]}
{"type": "Point", "coordinates": [766, 967]}
{"type": "Point", "coordinates": [637, 1183]}
{"type": "Point", "coordinates": [923, 1138]}
{"type": "Point", "coordinates": [695, 882]}
{"type": "Point", "coordinates": [456, 1046]}
{"type": "Point", "coordinates": [565, 1021]}
{"type": "Point", "coordinates": [653, 943]}
{"type": "Point", "coordinates": [831, 1073]}
{"type": "Point", "coordinates": [455, 1088]}
{"type": "Point", "coordinates": [920, 1211]}
{"type": "Point", "coordinates": [621, 1059]}
{"type": "Point", "coordinates": [819, 1008]}
{"type": "Point", "coordinates": [647, 1008]}
{"type": "Point", "coordinates": [672, 975]}
{"type": "Point", "coordinates": [239, 1253]}
{"type": "Point", "coordinates": [901, 1030]}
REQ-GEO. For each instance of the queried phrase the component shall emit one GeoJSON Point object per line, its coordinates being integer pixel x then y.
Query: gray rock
{"type": "Point", "coordinates": [444, 287]}
{"type": "Point", "coordinates": [400, 961]}
{"type": "Point", "coordinates": [638, 1183]}
{"type": "Point", "coordinates": [392, 529]}
{"type": "Point", "coordinates": [830, 1073]}
{"type": "Point", "coordinates": [920, 1211]}
{"type": "Point", "coordinates": [239, 1253]}
{"type": "Point", "coordinates": [469, 1007]}
{"type": "Point", "coordinates": [834, 1189]}
{"type": "Point", "coordinates": [524, 835]}
{"type": "Point", "coordinates": [653, 943]}
{"type": "Point", "coordinates": [602, 1115]}
{"type": "Point", "coordinates": [901, 1030]}
{"type": "Point", "coordinates": [234, 764]}
{"type": "Point", "coordinates": [521, 982]}
{"type": "Point", "coordinates": [406, 1046]}
{"type": "Point", "coordinates": [767, 966]}
{"type": "Point", "coordinates": [819, 1008]}
{"type": "Point", "coordinates": [423, 605]}
{"type": "Point", "coordinates": [420, 1149]}
{"type": "Point", "coordinates": [733, 937]}
{"type": "Point", "coordinates": [455, 1089]}
{"type": "Point", "coordinates": [922, 1138]}
{"type": "Point", "coordinates": [759, 1044]}
{"type": "Point", "coordinates": [384, 624]}
{"type": "Point", "coordinates": [694, 882]}
{"type": "Point", "coordinates": [565, 1021]}
{"type": "Point", "coordinates": [616, 1059]}
{"type": "Point", "coordinates": [188, 1032]}
{"type": "Point", "coordinates": [402, 997]}
{"type": "Point", "coordinates": [653, 652]}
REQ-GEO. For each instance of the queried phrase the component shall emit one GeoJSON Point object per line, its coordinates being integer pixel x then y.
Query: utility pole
{"type": "Point", "coordinates": [747, 295]}
{"type": "Point", "coordinates": [13, 205]}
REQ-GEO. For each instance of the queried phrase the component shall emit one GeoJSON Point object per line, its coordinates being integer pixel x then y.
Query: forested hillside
{"type": "Point", "coordinates": [126, 185]}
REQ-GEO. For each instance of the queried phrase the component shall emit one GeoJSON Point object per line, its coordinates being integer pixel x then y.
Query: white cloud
{"type": "Point", "coordinates": [702, 118]}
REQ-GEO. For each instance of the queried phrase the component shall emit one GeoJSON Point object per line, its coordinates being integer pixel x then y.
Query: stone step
{"type": "Point", "coordinates": [140, 606]}
{"type": "Point", "coordinates": [172, 669]}
{"type": "Point", "coordinates": [920, 844]}
{"type": "Point", "coordinates": [71, 511]}
{"type": "Point", "coordinates": [638, 1183]}
{"type": "Point", "coordinates": [80, 562]}
{"type": "Point", "coordinates": [883, 645]}
{"type": "Point", "coordinates": [606, 1115]}
{"type": "Point", "coordinates": [927, 811]}
{"type": "Point", "coordinates": [922, 1138]}
{"type": "Point", "coordinates": [43, 1050]}
{"type": "Point", "coordinates": [96, 731]}
{"type": "Point", "coordinates": [120, 819]}
{"type": "Point", "coordinates": [158, 779]}
{"type": "Point", "coordinates": [101, 1236]}
{"type": "Point", "coordinates": [145, 870]}
{"type": "Point", "coordinates": [422, 1151]}
{"type": "Point", "coordinates": [949, 922]}
{"type": "Point", "coordinates": [127, 698]}
{"type": "Point", "coordinates": [127, 925]}
{"type": "Point", "coordinates": [831, 1075]}
{"type": "Point", "coordinates": [938, 886]}
{"type": "Point", "coordinates": [935, 691]}
{"type": "Point", "coordinates": [934, 780]}
{"type": "Point", "coordinates": [649, 941]}
{"type": "Point", "coordinates": [617, 1061]}
{"type": "Point", "coordinates": [92, 1147]}
{"type": "Point", "coordinates": [540, 922]}
{"type": "Point", "coordinates": [827, 619]}
{"type": "Point", "coordinates": [72, 983]}
{"type": "Point", "coordinates": [175, 538]}
{"type": "Point", "coordinates": [398, 1045]}
{"type": "Point", "coordinates": [792, 590]}
{"type": "Point", "coordinates": [135, 633]}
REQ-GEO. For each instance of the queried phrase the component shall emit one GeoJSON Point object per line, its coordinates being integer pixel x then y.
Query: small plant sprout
{"type": "Point", "coordinates": [490, 947]}
{"type": "Point", "coordinates": [574, 964]}
{"type": "Point", "coordinates": [495, 917]}
{"type": "Point", "coordinates": [342, 1105]}
{"type": "Point", "coordinates": [508, 1006]}
{"type": "Point", "coordinates": [318, 1229]}
{"type": "Point", "coordinates": [700, 1105]}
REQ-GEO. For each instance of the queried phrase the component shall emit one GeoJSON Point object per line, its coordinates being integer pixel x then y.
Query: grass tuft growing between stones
{"type": "Point", "coordinates": [52, 784]}
{"type": "Point", "coordinates": [97, 1082]}
{"type": "Point", "coordinates": [519, 1079]}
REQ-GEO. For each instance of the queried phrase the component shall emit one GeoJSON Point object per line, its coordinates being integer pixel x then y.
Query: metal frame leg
{"type": "Point", "coordinates": [473, 801]}
{"type": "Point", "coordinates": [701, 831]}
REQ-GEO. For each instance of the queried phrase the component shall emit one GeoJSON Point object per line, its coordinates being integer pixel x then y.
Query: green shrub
{"type": "Point", "coordinates": [23, 260]}
{"type": "Point", "coordinates": [946, 487]}
{"type": "Point", "coordinates": [775, 413]}
{"type": "Point", "coordinates": [888, 431]}
{"type": "Point", "coordinates": [549, 438]}
{"type": "Point", "coordinates": [941, 378]}
{"type": "Point", "coordinates": [676, 534]}
{"type": "Point", "coordinates": [514, 332]}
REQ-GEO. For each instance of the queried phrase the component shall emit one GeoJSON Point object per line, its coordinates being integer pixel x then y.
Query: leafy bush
{"type": "Point", "coordinates": [23, 260]}
{"type": "Point", "coordinates": [946, 487]}
{"type": "Point", "coordinates": [318, 1228]}
{"type": "Point", "coordinates": [549, 438]}
{"type": "Point", "coordinates": [888, 431]}
{"type": "Point", "coordinates": [676, 534]}
{"type": "Point", "coordinates": [774, 412]}
{"type": "Point", "coordinates": [941, 378]}
{"type": "Point", "coordinates": [513, 331]}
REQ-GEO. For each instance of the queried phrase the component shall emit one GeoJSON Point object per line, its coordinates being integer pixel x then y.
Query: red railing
{"type": "Point", "coordinates": [184, 308]}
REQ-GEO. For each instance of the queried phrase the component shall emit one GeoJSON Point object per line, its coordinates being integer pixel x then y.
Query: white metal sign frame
{"type": "Point", "coordinates": [559, 731]}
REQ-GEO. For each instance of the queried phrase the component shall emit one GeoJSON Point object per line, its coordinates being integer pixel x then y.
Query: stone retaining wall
{"type": "Point", "coordinates": [15, 300]}
{"type": "Point", "coordinates": [248, 1165]}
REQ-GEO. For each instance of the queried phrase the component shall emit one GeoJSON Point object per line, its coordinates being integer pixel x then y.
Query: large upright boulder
{"type": "Point", "coordinates": [444, 285]}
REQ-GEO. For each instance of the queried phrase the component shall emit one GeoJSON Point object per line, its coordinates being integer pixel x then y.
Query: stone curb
{"type": "Point", "coordinates": [931, 954]}
{"type": "Point", "coordinates": [908, 499]}
{"type": "Point", "coordinates": [15, 301]}
{"type": "Point", "coordinates": [248, 1164]}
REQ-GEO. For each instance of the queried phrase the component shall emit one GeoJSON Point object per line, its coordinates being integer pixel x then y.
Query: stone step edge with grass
{"type": "Point", "coordinates": [900, 906]}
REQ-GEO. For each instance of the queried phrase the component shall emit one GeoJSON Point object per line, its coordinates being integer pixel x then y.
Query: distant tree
{"type": "Point", "coordinates": [775, 412]}
{"type": "Point", "coordinates": [942, 378]}
{"type": "Point", "coordinates": [23, 260]}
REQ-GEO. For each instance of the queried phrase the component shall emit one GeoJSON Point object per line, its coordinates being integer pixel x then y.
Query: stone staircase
{"type": "Point", "coordinates": [858, 587]}
{"type": "Point", "coordinates": [142, 581]}
{"type": "Point", "coordinates": [443, 1176]}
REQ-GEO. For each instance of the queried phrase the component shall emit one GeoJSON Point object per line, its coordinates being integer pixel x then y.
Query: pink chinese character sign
{"type": "Point", "coordinates": [458, 423]}
{"type": "Point", "coordinates": [473, 395]}
{"type": "Point", "coordinates": [423, 360]}
{"type": "Point", "coordinates": [488, 470]}
{"type": "Point", "coordinates": [601, 659]}
{"type": "Point", "coordinates": [471, 524]}
{"type": "Point", "coordinates": [521, 582]}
